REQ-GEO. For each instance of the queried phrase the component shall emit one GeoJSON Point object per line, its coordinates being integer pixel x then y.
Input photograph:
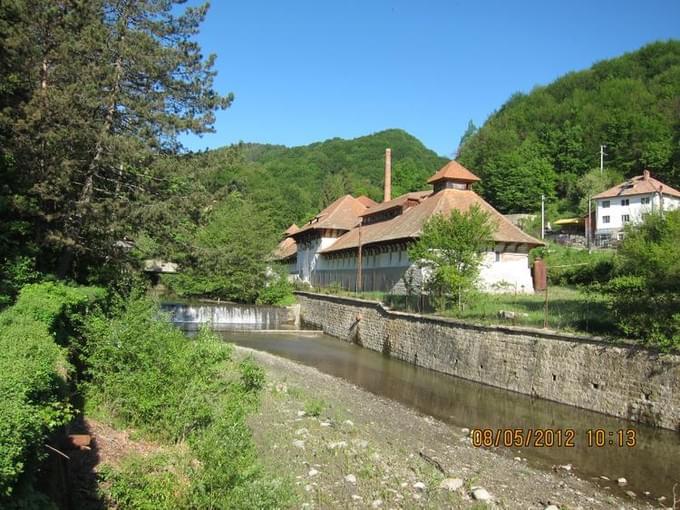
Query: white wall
{"type": "Point", "coordinates": [510, 274]}
{"type": "Point", "coordinates": [308, 257]}
{"type": "Point", "coordinates": [634, 210]}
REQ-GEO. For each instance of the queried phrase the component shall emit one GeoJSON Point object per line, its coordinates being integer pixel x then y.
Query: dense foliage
{"type": "Point", "coordinates": [544, 142]}
{"type": "Point", "coordinates": [145, 374]}
{"type": "Point", "coordinates": [33, 387]}
{"type": "Point", "coordinates": [451, 248]}
{"type": "Point", "coordinates": [645, 295]}
{"type": "Point", "coordinates": [91, 93]}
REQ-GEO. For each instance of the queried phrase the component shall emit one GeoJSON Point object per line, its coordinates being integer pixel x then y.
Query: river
{"type": "Point", "coordinates": [652, 465]}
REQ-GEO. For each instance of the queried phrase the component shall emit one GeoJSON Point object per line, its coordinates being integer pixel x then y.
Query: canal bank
{"type": "Point", "coordinates": [625, 381]}
{"type": "Point", "coordinates": [346, 447]}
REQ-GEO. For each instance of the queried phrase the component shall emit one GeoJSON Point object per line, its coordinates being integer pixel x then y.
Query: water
{"type": "Point", "coordinates": [227, 316]}
{"type": "Point", "coordinates": [652, 465]}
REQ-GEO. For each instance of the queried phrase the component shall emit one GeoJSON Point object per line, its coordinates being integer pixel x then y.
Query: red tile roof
{"type": "Point", "coordinates": [291, 230]}
{"type": "Point", "coordinates": [397, 202]}
{"type": "Point", "coordinates": [409, 225]}
{"type": "Point", "coordinates": [368, 202]}
{"type": "Point", "coordinates": [343, 214]}
{"type": "Point", "coordinates": [455, 172]}
{"type": "Point", "coordinates": [638, 185]}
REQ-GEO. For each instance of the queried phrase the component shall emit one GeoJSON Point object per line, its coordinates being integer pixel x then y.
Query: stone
{"type": "Point", "coordinates": [351, 478]}
{"type": "Point", "coordinates": [551, 507]}
{"type": "Point", "coordinates": [313, 472]}
{"type": "Point", "coordinates": [302, 431]}
{"type": "Point", "coordinates": [518, 459]}
{"type": "Point", "coordinates": [356, 497]}
{"type": "Point", "coordinates": [377, 503]}
{"type": "Point", "coordinates": [481, 494]}
{"type": "Point", "coordinates": [308, 488]}
{"type": "Point", "coordinates": [361, 443]}
{"type": "Point", "coordinates": [338, 444]}
{"type": "Point", "coordinates": [451, 484]}
{"type": "Point", "coordinates": [420, 486]}
{"type": "Point", "coordinates": [631, 494]}
{"type": "Point", "coordinates": [349, 423]}
{"type": "Point", "coordinates": [465, 431]}
{"type": "Point", "coordinates": [301, 414]}
{"type": "Point", "coordinates": [622, 481]}
{"type": "Point", "coordinates": [566, 467]}
{"type": "Point", "coordinates": [325, 424]}
{"type": "Point", "coordinates": [299, 444]}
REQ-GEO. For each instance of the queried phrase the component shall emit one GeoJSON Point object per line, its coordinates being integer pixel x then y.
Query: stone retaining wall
{"type": "Point", "coordinates": [620, 380]}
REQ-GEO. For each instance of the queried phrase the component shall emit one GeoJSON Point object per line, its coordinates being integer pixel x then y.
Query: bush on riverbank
{"type": "Point", "coordinates": [188, 395]}
{"type": "Point", "coordinates": [34, 372]}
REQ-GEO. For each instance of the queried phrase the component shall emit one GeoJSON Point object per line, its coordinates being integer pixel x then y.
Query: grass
{"type": "Point", "coordinates": [569, 308]}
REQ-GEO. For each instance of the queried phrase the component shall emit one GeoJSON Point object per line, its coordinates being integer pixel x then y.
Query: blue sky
{"type": "Point", "coordinates": [306, 71]}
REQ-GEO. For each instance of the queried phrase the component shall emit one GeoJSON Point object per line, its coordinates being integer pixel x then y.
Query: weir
{"type": "Point", "coordinates": [229, 316]}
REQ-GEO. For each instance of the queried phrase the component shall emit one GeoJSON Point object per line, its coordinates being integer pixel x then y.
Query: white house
{"type": "Point", "coordinates": [629, 202]}
{"type": "Point", "coordinates": [328, 247]}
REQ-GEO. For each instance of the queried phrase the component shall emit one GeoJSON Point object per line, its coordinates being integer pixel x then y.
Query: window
{"type": "Point", "coordinates": [625, 201]}
{"type": "Point", "coordinates": [625, 218]}
{"type": "Point", "coordinates": [605, 219]}
{"type": "Point", "coordinates": [644, 200]}
{"type": "Point", "coordinates": [605, 204]}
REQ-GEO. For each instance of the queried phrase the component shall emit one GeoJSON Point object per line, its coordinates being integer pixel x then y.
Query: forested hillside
{"type": "Point", "coordinates": [294, 183]}
{"type": "Point", "coordinates": [548, 141]}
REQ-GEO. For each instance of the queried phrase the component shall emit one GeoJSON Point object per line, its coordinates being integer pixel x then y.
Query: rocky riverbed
{"type": "Point", "coordinates": [344, 447]}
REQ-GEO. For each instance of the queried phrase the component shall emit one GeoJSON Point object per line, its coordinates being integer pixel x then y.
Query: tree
{"type": "Point", "coordinates": [452, 248]}
{"type": "Point", "coordinates": [228, 256]}
{"type": "Point", "coordinates": [645, 295]}
{"type": "Point", "coordinates": [520, 177]}
{"type": "Point", "coordinates": [113, 85]}
{"type": "Point", "coordinates": [469, 132]}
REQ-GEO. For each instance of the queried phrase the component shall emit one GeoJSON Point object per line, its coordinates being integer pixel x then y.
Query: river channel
{"type": "Point", "coordinates": [652, 465]}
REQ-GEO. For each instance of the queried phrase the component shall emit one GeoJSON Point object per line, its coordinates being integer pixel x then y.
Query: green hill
{"type": "Point", "coordinates": [294, 183]}
{"type": "Point", "coordinates": [548, 140]}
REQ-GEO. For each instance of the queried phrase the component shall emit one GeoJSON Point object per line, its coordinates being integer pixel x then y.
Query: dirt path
{"type": "Point", "coordinates": [346, 448]}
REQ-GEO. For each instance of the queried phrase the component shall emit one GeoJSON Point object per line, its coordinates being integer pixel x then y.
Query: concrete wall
{"type": "Point", "coordinates": [623, 381]}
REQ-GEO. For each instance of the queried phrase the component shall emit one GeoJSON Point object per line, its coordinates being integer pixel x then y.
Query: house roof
{"type": "Point", "coordinates": [453, 171]}
{"type": "Point", "coordinates": [291, 230]}
{"type": "Point", "coordinates": [285, 249]}
{"type": "Point", "coordinates": [396, 202]}
{"type": "Point", "coordinates": [368, 202]}
{"type": "Point", "coordinates": [639, 185]}
{"type": "Point", "coordinates": [409, 224]}
{"type": "Point", "coordinates": [343, 214]}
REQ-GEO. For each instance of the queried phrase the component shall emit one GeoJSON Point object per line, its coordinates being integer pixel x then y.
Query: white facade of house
{"type": "Point", "coordinates": [613, 213]}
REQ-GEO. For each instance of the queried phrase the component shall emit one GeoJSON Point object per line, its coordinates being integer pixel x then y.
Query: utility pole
{"type": "Point", "coordinates": [542, 216]}
{"type": "Point", "coordinates": [602, 155]}
{"type": "Point", "coordinates": [359, 283]}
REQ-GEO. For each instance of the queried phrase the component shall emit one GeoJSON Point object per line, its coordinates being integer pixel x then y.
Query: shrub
{"type": "Point", "coordinates": [33, 386]}
{"type": "Point", "coordinates": [573, 266]}
{"type": "Point", "coordinates": [252, 375]}
{"type": "Point", "coordinates": [645, 295]}
{"type": "Point", "coordinates": [146, 374]}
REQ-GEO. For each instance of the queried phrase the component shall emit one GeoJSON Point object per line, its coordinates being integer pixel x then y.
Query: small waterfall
{"type": "Point", "coordinates": [228, 316]}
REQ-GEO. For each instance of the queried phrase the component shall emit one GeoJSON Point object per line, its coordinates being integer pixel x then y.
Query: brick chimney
{"type": "Point", "coordinates": [645, 175]}
{"type": "Point", "coordinates": [388, 176]}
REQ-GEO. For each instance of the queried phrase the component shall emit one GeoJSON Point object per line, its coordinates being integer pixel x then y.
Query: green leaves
{"type": "Point", "coordinates": [452, 247]}
{"type": "Point", "coordinates": [545, 141]}
{"type": "Point", "coordinates": [645, 296]}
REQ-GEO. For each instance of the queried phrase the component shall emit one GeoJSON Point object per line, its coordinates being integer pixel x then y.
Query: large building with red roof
{"type": "Point", "coordinates": [325, 251]}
